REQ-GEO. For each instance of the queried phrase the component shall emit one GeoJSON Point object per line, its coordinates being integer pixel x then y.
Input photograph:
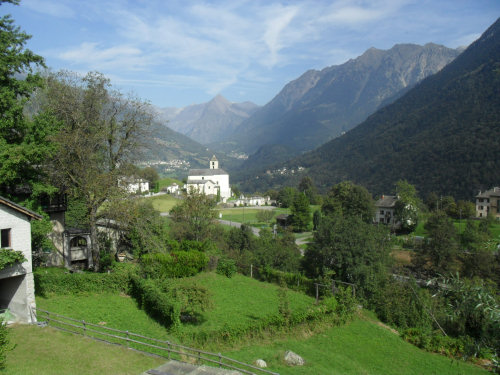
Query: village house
{"type": "Point", "coordinates": [384, 210]}
{"type": "Point", "coordinates": [134, 185]}
{"type": "Point", "coordinates": [173, 189]}
{"type": "Point", "coordinates": [488, 202]}
{"type": "Point", "coordinates": [251, 201]}
{"type": "Point", "coordinates": [17, 288]}
{"type": "Point", "coordinates": [210, 181]}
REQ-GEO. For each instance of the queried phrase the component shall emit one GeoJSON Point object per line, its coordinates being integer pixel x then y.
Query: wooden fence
{"type": "Point", "coordinates": [144, 344]}
{"type": "Point", "coordinates": [300, 282]}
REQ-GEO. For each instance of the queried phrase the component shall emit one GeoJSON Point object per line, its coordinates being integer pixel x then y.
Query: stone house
{"type": "Point", "coordinates": [384, 210]}
{"type": "Point", "coordinates": [17, 288]}
{"type": "Point", "coordinates": [488, 202]}
{"type": "Point", "coordinates": [134, 185]}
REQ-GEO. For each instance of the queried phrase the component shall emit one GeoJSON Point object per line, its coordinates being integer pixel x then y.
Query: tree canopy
{"type": "Point", "coordinates": [100, 132]}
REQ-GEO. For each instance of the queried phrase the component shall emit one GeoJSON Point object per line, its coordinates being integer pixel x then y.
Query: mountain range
{"type": "Point", "coordinates": [207, 122]}
{"type": "Point", "coordinates": [322, 105]}
{"type": "Point", "coordinates": [443, 135]}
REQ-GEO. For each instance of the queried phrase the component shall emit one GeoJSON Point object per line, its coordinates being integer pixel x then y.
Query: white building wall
{"type": "Point", "coordinates": [17, 288]}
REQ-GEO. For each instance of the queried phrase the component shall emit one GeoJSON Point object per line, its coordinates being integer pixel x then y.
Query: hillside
{"type": "Point", "coordinates": [321, 105]}
{"type": "Point", "coordinates": [207, 122]}
{"type": "Point", "coordinates": [442, 136]}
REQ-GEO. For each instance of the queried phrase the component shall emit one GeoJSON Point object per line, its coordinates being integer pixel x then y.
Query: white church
{"type": "Point", "coordinates": [210, 181]}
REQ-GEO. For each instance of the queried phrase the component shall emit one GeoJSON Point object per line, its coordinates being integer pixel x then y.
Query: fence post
{"type": "Point", "coordinates": [128, 342]}
{"type": "Point", "coordinates": [251, 271]}
{"type": "Point", "coordinates": [48, 318]}
{"type": "Point", "coordinates": [84, 327]}
{"type": "Point", "coordinates": [220, 360]}
{"type": "Point", "coordinates": [317, 292]}
{"type": "Point", "coordinates": [168, 349]}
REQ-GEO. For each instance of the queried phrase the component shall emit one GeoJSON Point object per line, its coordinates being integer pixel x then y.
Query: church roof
{"type": "Point", "coordinates": [206, 172]}
{"type": "Point", "coordinates": [213, 158]}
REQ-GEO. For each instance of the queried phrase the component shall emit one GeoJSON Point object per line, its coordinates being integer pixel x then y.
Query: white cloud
{"type": "Point", "coordinates": [51, 8]}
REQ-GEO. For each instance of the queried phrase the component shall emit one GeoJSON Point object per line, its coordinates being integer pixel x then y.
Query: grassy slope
{"type": "Point", "coordinates": [110, 310]}
{"type": "Point", "coordinates": [361, 347]}
{"type": "Point", "coordinates": [241, 301]}
{"type": "Point", "coordinates": [45, 351]}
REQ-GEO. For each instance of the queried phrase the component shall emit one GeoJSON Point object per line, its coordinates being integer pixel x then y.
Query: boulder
{"type": "Point", "coordinates": [293, 359]}
{"type": "Point", "coordinates": [260, 363]}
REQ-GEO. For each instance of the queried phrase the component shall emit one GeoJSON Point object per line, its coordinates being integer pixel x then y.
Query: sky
{"type": "Point", "coordinates": [176, 53]}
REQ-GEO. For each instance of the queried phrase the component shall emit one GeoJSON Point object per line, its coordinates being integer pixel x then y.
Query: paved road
{"type": "Point", "coordinates": [238, 225]}
{"type": "Point", "coordinates": [298, 241]}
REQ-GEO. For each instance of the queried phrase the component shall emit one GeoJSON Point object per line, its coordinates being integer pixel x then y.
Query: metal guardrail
{"type": "Point", "coordinates": [143, 344]}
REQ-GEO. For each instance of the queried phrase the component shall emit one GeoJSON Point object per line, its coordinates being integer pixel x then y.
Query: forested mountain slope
{"type": "Point", "coordinates": [321, 105]}
{"type": "Point", "coordinates": [442, 136]}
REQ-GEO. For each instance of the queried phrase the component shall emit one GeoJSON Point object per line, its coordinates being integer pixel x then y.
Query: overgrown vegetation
{"type": "Point", "coordinates": [9, 257]}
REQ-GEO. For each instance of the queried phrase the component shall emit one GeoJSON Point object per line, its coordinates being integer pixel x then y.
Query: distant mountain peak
{"type": "Point", "coordinates": [321, 105]}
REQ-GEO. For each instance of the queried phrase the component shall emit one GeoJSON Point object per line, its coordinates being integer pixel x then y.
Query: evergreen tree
{"type": "Point", "coordinates": [301, 213]}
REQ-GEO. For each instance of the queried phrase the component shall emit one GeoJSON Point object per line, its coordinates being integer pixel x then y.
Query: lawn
{"type": "Point", "coordinates": [46, 351]}
{"type": "Point", "coordinates": [240, 302]}
{"type": "Point", "coordinates": [163, 203]}
{"type": "Point", "coordinates": [248, 214]}
{"type": "Point", "coordinates": [110, 310]}
{"type": "Point", "coordinates": [237, 304]}
{"type": "Point", "coordinates": [360, 347]}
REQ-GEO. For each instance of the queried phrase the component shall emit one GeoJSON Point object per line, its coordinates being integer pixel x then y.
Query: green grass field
{"type": "Point", "coordinates": [360, 347]}
{"type": "Point", "coordinates": [46, 351]}
{"type": "Point", "coordinates": [163, 203]}
{"type": "Point", "coordinates": [240, 302]}
{"type": "Point", "coordinates": [248, 214]}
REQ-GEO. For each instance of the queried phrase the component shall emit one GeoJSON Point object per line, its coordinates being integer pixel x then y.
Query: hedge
{"type": "Point", "coordinates": [155, 301]}
{"type": "Point", "coordinates": [61, 281]}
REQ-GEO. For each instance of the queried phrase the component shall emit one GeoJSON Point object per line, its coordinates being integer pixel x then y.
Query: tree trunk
{"type": "Point", "coordinates": [93, 237]}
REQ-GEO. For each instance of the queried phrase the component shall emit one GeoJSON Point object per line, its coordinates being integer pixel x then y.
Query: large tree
{"type": "Point", "coordinates": [23, 142]}
{"type": "Point", "coordinates": [24, 138]}
{"type": "Point", "coordinates": [347, 247]}
{"type": "Point", "coordinates": [194, 217]}
{"type": "Point", "coordinates": [407, 206]}
{"type": "Point", "coordinates": [348, 199]}
{"type": "Point", "coordinates": [101, 131]}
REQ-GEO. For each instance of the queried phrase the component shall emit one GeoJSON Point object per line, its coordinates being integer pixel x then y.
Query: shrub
{"type": "Point", "coordinates": [175, 264]}
{"type": "Point", "coordinates": [9, 257]}
{"type": "Point", "coordinates": [193, 300]}
{"type": "Point", "coordinates": [4, 344]}
{"type": "Point", "coordinates": [155, 301]}
{"type": "Point", "coordinates": [60, 281]}
{"type": "Point", "coordinates": [226, 267]}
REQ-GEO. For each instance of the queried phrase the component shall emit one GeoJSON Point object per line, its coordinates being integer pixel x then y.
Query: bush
{"type": "Point", "coordinates": [60, 281]}
{"type": "Point", "coordinates": [158, 304]}
{"type": "Point", "coordinates": [226, 267]}
{"type": "Point", "coordinates": [175, 264]}
{"type": "Point", "coordinates": [4, 344]}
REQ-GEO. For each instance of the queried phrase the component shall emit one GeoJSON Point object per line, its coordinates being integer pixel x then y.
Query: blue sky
{"type": "Point", "coordinates": [175, 53]}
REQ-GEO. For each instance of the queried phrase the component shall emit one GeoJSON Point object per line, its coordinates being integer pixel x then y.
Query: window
{"type": "Point", "coordinates": [381, 212]}
{"type": "Point", "coordinates": [5, 238]}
